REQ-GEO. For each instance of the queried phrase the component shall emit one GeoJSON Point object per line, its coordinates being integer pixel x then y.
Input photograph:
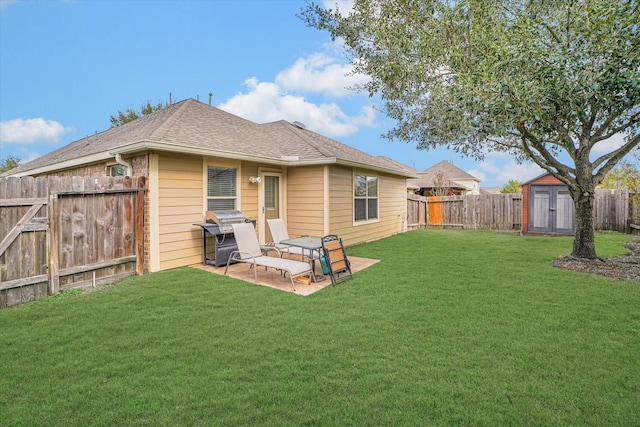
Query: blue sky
{"type": "Point", "coordinates": [66, 66]}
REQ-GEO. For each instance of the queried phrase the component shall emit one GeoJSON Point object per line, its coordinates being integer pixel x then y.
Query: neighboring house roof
{"type": "Point", "coordinates": [428, 177]}
{"type": "Point", "coordinates": [490, 190]}
{"type": "Point", "coordinates": [192, 127]}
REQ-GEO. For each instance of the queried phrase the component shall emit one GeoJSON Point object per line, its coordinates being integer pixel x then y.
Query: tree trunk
{"type": "Point", "coordinates": [584, 245]}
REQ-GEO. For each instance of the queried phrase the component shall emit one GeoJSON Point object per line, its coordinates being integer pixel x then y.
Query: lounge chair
{"type": "Point", "coordinates": [249, 251]}
{"type": "Point", "coordinates": [335, 258]}
{"type": "Point", "coordinates": [279, 233]}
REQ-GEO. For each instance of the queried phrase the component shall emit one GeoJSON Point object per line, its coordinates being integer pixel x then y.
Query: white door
{"type": "Point", "coordinates": [269, 202]}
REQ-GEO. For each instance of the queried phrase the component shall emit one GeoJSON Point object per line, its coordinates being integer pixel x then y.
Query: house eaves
{"type": "Point", "coordinates": [142, 146]}
{"type": "Point", "coordinates": [373, 167]}
{"type": "Point", "coordinates": [283, 161]}
{"type": "Point", "coordinates": [68, 164]}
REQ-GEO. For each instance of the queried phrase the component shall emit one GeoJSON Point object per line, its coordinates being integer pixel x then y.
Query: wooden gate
{"type": "Point", "coordinates": [416, 211]}
{"type": "Point", "coordinates": [436, 212]}
{"type": "Point", "coordinates": [24, 237]}
{"type": "Point", "coordinates": [67, 232]}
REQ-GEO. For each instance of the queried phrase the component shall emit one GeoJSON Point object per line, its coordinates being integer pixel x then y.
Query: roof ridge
{"type": "Point", "coordinates": [161, 130]}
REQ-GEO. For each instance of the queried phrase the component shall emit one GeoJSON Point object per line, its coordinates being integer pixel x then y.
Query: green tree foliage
{"type": "Point", "coordinates": [546, 81]}
{"type": "Point", "coordinates": [9, 163]}
{"type": "Point", "coordinates": [513, 186]}
{"type": "Point", "coordinates": [130, 115]}
{"type": "Point", "coordinates": [624, 175]}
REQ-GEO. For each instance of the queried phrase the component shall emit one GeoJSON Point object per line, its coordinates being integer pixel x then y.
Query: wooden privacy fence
{"type": "Point", "coordinates": [617, 210]}
{"type": "Point", "coordinates": [487, 211]}
{"type": "Point", "coordinates": [60, 233]}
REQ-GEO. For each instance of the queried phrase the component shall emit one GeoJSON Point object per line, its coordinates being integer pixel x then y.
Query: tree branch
{"type": "Point", "coordinates": [632, 121]}
{"type": "Point", "coordinates": [543, 158]}
{"type": "Point", "coordinates": [609, 160]}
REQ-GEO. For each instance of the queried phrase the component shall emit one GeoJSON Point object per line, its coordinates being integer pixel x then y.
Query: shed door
{"type": "Point", "coordinates": [551, 209]}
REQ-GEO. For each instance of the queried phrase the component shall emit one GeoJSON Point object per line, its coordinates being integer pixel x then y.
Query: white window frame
{"type": "Point", "coordinates": [366, 197]}
{"type": "Point", "coordinates": [222, 165]}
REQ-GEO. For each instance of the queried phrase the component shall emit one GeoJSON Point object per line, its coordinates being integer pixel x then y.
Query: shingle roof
{"type": "Point", "coordinates": [427, 178]}
{"type": "Point", "coordinates": [190, 124]}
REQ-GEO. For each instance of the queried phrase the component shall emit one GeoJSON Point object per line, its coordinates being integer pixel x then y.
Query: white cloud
{"type": "Point", "coordinates": [320, 73]}
{"type": "Point", "coordinates": [267, 102]}
{"type": "Point", "coordinates": [498, 168]}
{"type": "Point", "coordinates": [344, 6]}
{"type": "Point", "coordinates": [608, 145]}
{"type": "Point", "coordinates": [25, 131]}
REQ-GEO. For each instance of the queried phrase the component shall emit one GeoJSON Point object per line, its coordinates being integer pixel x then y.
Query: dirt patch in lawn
{"type": "Point", "coordinates": [623, 267]}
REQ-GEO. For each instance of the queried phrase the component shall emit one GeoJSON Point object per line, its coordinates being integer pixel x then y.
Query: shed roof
{"type": "Point", "coordinates": [542, 175]}
{"type": "Point", "coordinates": [193, 127]}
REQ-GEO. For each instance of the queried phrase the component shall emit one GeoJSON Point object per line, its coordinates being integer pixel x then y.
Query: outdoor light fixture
{"type": "Point", "coordinates": [254, 179]}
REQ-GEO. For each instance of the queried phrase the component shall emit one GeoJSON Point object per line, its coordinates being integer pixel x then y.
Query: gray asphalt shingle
{"type": "Point", "coordinates": [192, 124]}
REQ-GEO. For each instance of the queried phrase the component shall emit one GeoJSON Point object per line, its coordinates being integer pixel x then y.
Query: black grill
{"type": "Point", "coordinates": [219, 226]}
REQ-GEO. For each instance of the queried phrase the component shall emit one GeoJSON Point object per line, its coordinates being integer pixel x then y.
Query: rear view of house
{"type": "Point", "coordinates": [198, 158]}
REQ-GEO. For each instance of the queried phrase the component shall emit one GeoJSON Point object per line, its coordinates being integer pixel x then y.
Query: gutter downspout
{"type": "Point", "coordinates": [118, 159]}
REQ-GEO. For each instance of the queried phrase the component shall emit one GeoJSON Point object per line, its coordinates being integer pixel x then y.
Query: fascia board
{"type": "Point", "coordinates": [69, 164]}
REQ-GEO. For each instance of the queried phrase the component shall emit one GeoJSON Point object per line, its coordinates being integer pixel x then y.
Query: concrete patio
{"type": "Point", "coordinates": [273, 279]}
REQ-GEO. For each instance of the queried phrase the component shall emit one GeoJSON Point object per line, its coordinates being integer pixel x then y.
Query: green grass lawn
{"type": "Point", "coordinates": [450, 328]}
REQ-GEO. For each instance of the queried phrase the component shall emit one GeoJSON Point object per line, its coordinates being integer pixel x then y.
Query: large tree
{"type": "Point", "coordinates": [549, 81]}
{"type": "Point", "coordinates": [130, 115]}
{"type": "Point", "coordinates": [8, 163]}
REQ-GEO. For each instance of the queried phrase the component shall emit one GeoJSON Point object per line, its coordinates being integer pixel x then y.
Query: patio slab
{"type": "Point", "coordinates": [273, 279]}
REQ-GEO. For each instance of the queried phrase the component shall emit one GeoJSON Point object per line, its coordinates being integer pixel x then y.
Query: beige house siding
{"type": "Point", "coordinates": [341, 202]}
{"type": "Point", "coordinates": [182, 202]}
{"type": "Point", "coordinates": [305, 201]}
{"type": "Point", "coordinates": [180, 205]}
{"type": "Point", "coordinates": [392, 207]}
{"type": "Point", "coordinates": [249, 192]}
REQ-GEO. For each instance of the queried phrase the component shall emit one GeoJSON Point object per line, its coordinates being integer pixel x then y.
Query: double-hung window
{"type": "Point", "coordinates": [221, 188]}
{"type": "Point", "coordinates": [365, 198]}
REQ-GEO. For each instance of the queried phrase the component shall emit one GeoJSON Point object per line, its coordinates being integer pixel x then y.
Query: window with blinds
{"type": "Point", "coordinates": [221, 188]}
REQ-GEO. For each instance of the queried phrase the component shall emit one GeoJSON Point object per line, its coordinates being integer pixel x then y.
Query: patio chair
{"type": "Point", "coordinates": [335, 258]}
{"type": "Point", "coordinates": [250, 252]}
{"type": "Point", "coordinates": [279, 233]}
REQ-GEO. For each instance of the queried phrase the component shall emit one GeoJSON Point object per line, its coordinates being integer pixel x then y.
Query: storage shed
{"type": "Point", "coordinates": [547, 207]}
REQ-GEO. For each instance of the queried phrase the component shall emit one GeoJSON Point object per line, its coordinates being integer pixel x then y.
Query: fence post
{"type": "Point", "coordinates": [140, 199]}
{"type": "Point", "coordinates": [54, 244]}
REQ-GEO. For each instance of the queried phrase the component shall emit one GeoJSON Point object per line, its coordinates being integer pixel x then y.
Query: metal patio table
{"type": "Point", "coordinates": [310, 243]}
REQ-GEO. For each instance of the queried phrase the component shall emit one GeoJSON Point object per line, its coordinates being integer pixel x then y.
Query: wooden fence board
{"type": "Point", "coordinates": [68, 231]}
{"type": "Point", "coordinates": [416, 211]}
{"type": "Point", "coordinates": [17, 229]}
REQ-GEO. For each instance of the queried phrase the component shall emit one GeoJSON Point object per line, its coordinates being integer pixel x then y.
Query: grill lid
{"type": "Point", "coordinates": [224, 219]}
